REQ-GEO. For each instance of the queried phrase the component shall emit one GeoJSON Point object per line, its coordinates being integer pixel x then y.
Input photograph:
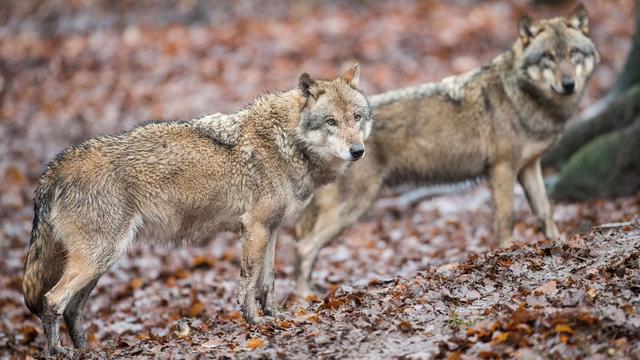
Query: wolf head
{"type": "Point", "coordinates": [556, 56]}
{"type": "Point", "coordinates": [336, 118]}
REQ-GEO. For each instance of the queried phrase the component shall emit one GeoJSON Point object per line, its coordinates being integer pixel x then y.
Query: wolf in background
{"type": "Point", "coordinates": [492, 122]}
{"type": "Point", "coordinates": [177, 182]}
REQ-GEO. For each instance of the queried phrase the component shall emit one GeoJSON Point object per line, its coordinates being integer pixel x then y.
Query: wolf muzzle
{"type": "Point", "coordinates": [356, 151]}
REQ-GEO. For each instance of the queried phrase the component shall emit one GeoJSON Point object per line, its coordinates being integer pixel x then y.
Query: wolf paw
{"type": "Point", "coordinates": [60, 351]}
{"type": "Point", "coordinates": [552, 233]}
{"type": "Point", "coordinates": [271, 310]}
{"type": "Point", "coordinates": [268, 303]}
{"type": "Point", "coordinates": [252, 319]}
{"type": "Point", "coordinates": [303, 291]}
{"type": "Point", "coordinates": [250, 312]}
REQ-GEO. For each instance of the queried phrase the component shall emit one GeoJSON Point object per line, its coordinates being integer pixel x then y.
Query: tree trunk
{"type": "Point", "coordinates": [609, 166]}
{"type": "Point", "coordinates": [631, 71]}
{"type": "Point", "coordinates": [621, 113]}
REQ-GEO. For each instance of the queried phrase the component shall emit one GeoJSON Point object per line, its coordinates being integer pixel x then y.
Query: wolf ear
{"type": "Point", "coordinates": [525, 29]}
{"type": "Point", "coordinates": [579, 18]}
{"type": "Point", "coordinates": [352, 76]}
{"type": "Point", "coordinates": [307, 85]}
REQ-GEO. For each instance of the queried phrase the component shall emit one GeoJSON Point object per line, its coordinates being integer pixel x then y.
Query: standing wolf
{"type": "Point", "coordinates": [177, 182]}
{"type": "Point", "coordinates": [495, 121]}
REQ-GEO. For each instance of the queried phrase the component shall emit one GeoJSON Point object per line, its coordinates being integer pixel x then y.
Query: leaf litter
{"type": "Point", "coordinates": [411, 279]}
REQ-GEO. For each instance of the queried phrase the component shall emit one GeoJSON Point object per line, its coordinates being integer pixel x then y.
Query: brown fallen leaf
{"type": "Point", "coordinates": [203, 262]}
{"type": "Point", "coordinates": [506, 262]}
{"type": "Point", "coordinates": [564, 328]}
{"type": "Point", "coordinates": [500, 337]}
{"type": "Point", "coordinates": [284, 324]}
{"type": "Point", "coordinates": [548, 288]}
{"type": "Point", "coordinates": [210, 344]}
{"type": "Point", "coordinates": [136, 283]}
{"type": "Point", "coordinates": [312, 298]}
{"type": "Point", "coordinates": [196, 309]}
{"type": "Point", "coordinates": [29, 332]}
{"type": "Point", "coordinates": [229, 255]}
{"type": "Point", "coordinates": [182, 274]}
{"type": "Point", "coordinates": [254, 343]}
{"type": "Point", "coordinates": [234, 315]}
{"type": "Point", "coordinates": [405, 326]}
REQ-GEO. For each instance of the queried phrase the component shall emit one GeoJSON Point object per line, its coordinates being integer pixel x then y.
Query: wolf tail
{"type": "Point", "coordinates": [46, 257]}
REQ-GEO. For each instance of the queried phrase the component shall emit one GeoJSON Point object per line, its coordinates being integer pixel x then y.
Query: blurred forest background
{"type": "Point", "coordinates": [71, 70]}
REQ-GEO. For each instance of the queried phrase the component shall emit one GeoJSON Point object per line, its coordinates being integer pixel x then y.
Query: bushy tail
{"type": "Point", "coordinates": [46, 257]}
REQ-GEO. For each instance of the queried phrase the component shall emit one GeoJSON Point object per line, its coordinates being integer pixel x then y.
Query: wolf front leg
{"type": "Point", "coordinates": [530, 178]}
{"type": "Point", "coordinates": [267, 278]}
{"type": "Point", "coordinates": [307, 253]}
{"type": "Point", "coordinates": [502, 179]}
{"type": "Point", "coordinates": [332, 209]}
{"type": "Point", "coordinates": [254, 245]}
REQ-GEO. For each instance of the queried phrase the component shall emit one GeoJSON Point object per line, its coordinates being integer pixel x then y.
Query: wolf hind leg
{"type": "Point", "coordinates": [335, 210]}
{"type": "Point", "coordinates": [74, 315]}
{"type": "Point", "coordinates": [267, 278]}
{"type": "Point", "coordinates": [82, 269]}
{"type": "Point", "coordinates": [78, 273]}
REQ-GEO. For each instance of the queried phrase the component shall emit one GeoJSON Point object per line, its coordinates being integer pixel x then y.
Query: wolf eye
{"type": "Point", "coordinates": [358, 117]}
{"type": "Point", "coordinates": [547, 55]}
{"type": "Point", "coordinates": [331, 121]}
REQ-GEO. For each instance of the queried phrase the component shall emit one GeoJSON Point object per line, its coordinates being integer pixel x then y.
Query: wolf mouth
{"type": "Point", "coordinates": [562, 92]}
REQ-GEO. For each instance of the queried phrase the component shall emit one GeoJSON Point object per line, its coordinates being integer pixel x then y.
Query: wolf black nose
{"type": "Point", "coordinates": [356, 151]}
{"type": "Point", "coordinates": [568, 85]}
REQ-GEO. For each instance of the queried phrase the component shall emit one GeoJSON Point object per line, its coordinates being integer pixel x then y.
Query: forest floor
{"type": "Point", "coordinates": [409, 280]}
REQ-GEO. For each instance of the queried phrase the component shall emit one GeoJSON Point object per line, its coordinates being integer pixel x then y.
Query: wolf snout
{"type": "Point", "coordinates": [356, 151]}
{"type": "Point", "coordinates": [568, 85]}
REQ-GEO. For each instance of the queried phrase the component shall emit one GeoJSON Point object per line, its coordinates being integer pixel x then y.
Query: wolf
{"type": "Point", "coordinates": [495, 122]}
{"type": "Point", "coordinates": [177, 182]}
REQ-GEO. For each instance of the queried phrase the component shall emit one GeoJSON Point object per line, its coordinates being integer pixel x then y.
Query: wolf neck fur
{"type": "Point", "coordinates": [537, 113]}
{"type": "Point", "coordinates": [306, 169]}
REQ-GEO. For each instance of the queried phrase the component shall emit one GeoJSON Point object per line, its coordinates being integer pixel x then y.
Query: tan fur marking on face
{"type": "Point", "coordinates": [548, 76]}
{"type": "Point", "coordinates": [579, 71]}
{"type": "Point", "coordinates": [534, 72]}
{"type": "Point", "coordinates": [589, 64]}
